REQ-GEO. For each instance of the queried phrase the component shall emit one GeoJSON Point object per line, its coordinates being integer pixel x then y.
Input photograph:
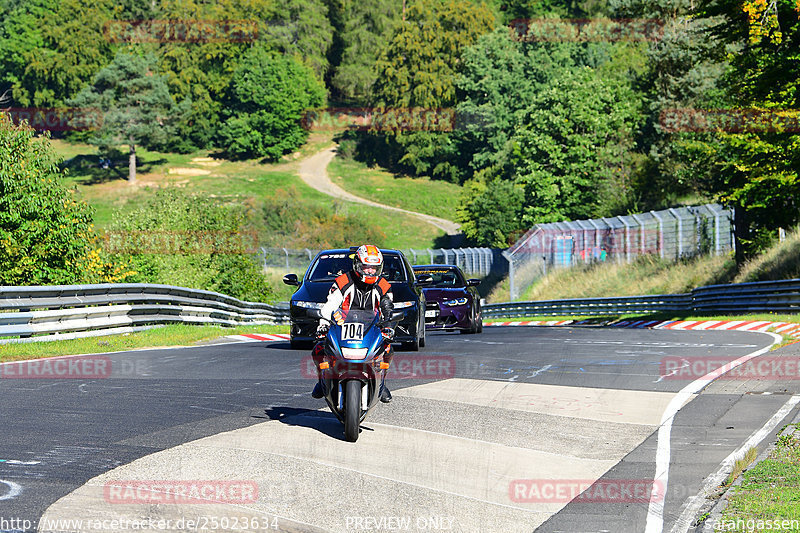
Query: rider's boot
{"type": "Point", "coordinates": [385, 395]}
{"type": "Point", "coordinates": [317, 392]}
{"type": "Point", "coordinates": [317, 355]}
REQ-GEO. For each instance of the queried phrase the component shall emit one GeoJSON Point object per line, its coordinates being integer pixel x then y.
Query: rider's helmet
{"type": "Point", "coordinates": [368, 263]}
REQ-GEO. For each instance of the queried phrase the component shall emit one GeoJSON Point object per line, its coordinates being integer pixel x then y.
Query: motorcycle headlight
{"type": "Point", "coordinates": [354, 353]}
{"type": "Point", "coordinates": [455, 302]}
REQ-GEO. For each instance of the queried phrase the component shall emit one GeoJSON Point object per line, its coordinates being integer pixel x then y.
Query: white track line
{"type": "Point", "coordinates": [714, 480]}
{"type": "Point", "coordinates": [655, 510]}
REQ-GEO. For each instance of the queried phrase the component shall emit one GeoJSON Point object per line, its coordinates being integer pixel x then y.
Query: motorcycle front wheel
{"type": "Point", "coordinates": [352, 409]}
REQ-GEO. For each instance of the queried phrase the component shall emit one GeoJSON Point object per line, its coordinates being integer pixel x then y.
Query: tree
{"type": "Point", "coordinates": [50, 50]}
{"type": "Point", "coordinates": [573, 152]}
{"type": "Point", "coordinates": [490, 212]}
{"type": "Point", "coordinates": [269, 95]}
{"type": "Point", "coordinates": [366, 28]}
{"type": "Point", "coordinates": [418, 69]}
{"type": "Point", "coordinates": [756, 169]}
{"type": "Point", "coordinates": [46, 234]}
{"type": "Point", "coordinates": [136, 104]}
{"type": "Point", "coordinates": [202, 71]}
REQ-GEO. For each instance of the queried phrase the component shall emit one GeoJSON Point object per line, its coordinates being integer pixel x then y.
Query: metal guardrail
{"type": "Point", "coordinates": [762, 296]}
{"type": "Point", "coordinates": [29, 314]}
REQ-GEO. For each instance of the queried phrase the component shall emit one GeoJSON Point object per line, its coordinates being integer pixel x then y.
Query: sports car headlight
{"type": "Point", "coordinates": [455, 302]}
{"type": "Point", "coordinates": [354, 353]}
{"type": "Point", "coordinates": [308, 305]}
{"type": "Point", "coordinates": [402, 305]}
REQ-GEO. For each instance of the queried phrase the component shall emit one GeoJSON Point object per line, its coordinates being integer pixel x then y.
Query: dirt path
{"type": "Point", "coordinates": [314, 172]}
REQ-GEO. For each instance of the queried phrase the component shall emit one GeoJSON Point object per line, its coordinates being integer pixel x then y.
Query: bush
{"type": "Point", "coordinates": [190, 241]}
{"type": "Point", "coordinates": [269, 95]}
{"type": "Point", "coordinates": [46, 232]}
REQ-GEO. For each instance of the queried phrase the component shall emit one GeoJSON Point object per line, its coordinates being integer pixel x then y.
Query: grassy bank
{"type": "Point", "coordinates": [423, 195]}
{"type": "Point", "coordinates": [170, 335]}
{"type": "Point", "coordinates": [652, 275]}
{"type": "Point", "coordinates": [261, 188]}
{"type": "Point", "coordinates": [770, 491]}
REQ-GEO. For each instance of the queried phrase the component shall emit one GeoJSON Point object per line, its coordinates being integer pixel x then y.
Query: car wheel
{"type": "Point", "coordinates": [473, 328]}
{"type": "Point", "coordinates": [480, 325]}
{"type": "Point", "coordinates": [412, 346]}
{"type": "Point", "coordinates": [422, 335]}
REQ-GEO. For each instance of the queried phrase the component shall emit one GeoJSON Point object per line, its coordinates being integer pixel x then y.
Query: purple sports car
{"type": "Point", "coordinates": [452, 301]}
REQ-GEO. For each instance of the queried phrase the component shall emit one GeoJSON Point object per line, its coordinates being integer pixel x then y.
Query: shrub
{"type": "Point", "coordinates": [46, 232]}
{"type": "Point", "coordinates": [190, 241]}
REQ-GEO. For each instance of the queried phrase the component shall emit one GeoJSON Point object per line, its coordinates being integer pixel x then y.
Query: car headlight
{"type": "Point", "coordinates": [403, 305]}
{"type": "Point", "coordinates": [308, 305]}
{"type": "Point", "coordinates": [455, 302]}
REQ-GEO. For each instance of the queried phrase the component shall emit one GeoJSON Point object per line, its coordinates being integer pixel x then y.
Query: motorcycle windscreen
{"type": "Point", "coordinates": [360, 335]}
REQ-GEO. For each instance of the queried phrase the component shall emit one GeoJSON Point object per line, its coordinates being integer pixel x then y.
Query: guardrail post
{"type": "Point", "coordinates": [660, 233]}
{"type": "Point", "coordinates": [680, 230]}
{"type": "Point", "coordinates": [285, 251]}
{"type": "Point", "coordinates": [511, 288]}
{"type": "Point", "coordinates": [627, 239]}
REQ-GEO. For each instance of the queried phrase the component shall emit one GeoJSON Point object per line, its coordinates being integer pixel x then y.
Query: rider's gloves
{"type": "Point", "coordinates": [388, 333]}
{"type": "Point", "coordinates": [322, 330]}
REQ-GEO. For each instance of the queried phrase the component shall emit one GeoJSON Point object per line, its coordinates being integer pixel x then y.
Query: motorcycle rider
{"type": "Point", "coordinates": [360, 288]}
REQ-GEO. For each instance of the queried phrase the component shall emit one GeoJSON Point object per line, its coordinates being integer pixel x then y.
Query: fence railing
{"type": "Point", "coordinates": [68, 311]}
{"type": "Point", "coordinates": [670, 234]}
{"type": "Point", "coordinates": [473, 261]}
{"type": "Point", "coordinates": [763, 296]}
{"type": "Point", "coordinates": [47, 313]}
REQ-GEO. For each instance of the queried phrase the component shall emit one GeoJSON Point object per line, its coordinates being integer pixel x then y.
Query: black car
{"type": "Point", "coordinates": [326, 266]}
{"type": "Point", "coordinates": [453, 302]}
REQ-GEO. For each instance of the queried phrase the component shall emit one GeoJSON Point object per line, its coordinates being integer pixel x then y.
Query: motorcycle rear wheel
{"type": "Point", "coordinates": [352, 409]}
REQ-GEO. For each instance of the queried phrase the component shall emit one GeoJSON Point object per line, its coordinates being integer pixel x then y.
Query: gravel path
{"type": "Point", "coordinates": [314, 172]}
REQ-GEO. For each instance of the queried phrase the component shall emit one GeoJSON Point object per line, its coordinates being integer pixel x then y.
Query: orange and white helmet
{"type": "Point", "coordinates": [368, 263]}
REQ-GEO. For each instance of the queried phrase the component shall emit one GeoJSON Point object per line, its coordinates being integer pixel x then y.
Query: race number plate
{"type": "Point", "coordinates": [353, 332]}
{"type": "Point", "coordinates": [431, 314]}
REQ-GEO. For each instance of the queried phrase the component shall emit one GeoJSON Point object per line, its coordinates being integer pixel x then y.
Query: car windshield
{"type": "Point", "coordinates": [329, 266]}
{"type": "Point", "coordinates": [442, 277]}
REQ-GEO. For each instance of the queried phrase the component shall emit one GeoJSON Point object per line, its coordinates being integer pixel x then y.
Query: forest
{"type": "Point", "coordinates": [544, 110]}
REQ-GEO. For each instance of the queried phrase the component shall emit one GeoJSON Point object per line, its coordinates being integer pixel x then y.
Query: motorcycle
{"type": "Point", "coordinates": [353, 360]}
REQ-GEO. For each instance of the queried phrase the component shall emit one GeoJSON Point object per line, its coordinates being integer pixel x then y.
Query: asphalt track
{"type": "Point", "coordinates": [483, 432]}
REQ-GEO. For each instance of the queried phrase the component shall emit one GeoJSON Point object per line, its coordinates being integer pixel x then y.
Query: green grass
{"type": "Point", "coordinates": [247, 183]}
{"type": "Point", "coordinates": [170, 335]}
{"type": "Point", "coordinates": [423, 195]}
{"type": "Point", "coordinates": [770, 490]}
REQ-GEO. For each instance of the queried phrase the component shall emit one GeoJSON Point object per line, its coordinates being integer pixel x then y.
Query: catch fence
{"type": "Point", "coordinates": [670, 234]}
